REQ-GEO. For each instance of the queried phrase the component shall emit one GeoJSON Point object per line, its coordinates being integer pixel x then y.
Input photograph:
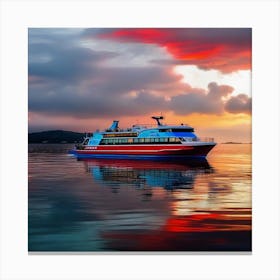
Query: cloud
{"type": "Point", "coordinates": [210, 102]}
{"type": "Point", "coordinates": [223, 49]}
{"type": "Point", "coordinates": [59, 62]}
{"type": "Point", "coordinates": [68, 79]}
{"type": "Point", "coordinates": [239, 104]}
{"type": "Point", "coordinates": [65, 103]}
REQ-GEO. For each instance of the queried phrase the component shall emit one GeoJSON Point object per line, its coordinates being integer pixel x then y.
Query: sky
{"type": "Point", "coordinates": [82, 79]}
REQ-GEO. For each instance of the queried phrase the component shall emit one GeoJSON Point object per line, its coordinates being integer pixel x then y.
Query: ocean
{"type": "Point", "coordinates": [105, 205]}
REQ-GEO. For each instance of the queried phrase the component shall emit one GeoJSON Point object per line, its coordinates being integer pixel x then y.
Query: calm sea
{"type": "Point", "coordinates": [139, 205]}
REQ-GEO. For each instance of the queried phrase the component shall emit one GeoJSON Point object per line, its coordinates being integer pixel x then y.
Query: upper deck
{"type": "Point", "coordinates": [145, 134]}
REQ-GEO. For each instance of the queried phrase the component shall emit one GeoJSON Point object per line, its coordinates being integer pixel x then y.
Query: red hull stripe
{"type": "Point", "coordinates": [147, 150]}
{"type": "Point", "coordinates": [137, 147]}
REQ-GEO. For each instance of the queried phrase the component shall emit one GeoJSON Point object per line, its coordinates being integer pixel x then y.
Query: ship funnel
{"type": "Point", "coordinates": [114, 126]}
{"type": "Point", "coordinates": [158, 119]}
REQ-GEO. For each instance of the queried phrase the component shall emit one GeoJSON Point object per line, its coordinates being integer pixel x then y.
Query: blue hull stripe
{"type": "Point", "coordinates": [134, 156]}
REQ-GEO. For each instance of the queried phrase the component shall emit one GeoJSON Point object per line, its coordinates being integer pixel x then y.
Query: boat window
{"type": "Point", "coordinates": [122, 141]}
{"type": "Point", "coordinates": [124, 134]}
{"type": "Point", "coordinates": [182, 129]}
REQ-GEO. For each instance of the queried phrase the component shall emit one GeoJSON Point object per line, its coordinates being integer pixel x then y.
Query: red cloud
{"type": "Point", "coordinates": [224, 49]}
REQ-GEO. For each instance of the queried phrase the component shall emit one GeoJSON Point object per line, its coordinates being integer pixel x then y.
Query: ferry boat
{"type": "Point", "coordinates": [141, 141]}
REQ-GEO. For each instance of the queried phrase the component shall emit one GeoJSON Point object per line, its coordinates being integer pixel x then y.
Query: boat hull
{"type": "Point", "coordinates": [145, 151]}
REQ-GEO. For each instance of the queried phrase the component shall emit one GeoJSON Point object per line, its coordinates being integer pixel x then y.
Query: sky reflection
{"type": "Point", "coordinates": [127, 205]}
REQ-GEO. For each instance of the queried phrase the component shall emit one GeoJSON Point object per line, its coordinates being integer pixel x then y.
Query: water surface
{"type": "Point", "coordinates": [139, 205]}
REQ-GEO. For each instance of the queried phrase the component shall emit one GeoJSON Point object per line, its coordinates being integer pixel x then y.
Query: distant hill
{"type": "Point", "coordinates": [55, 136]}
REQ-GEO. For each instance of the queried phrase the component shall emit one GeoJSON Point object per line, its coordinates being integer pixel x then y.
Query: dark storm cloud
{"type": "Point", "coordinates": [239, 104]}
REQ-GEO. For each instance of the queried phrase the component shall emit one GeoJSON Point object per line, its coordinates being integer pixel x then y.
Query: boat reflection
{"type": "Point", "coordinates": [169, 175]}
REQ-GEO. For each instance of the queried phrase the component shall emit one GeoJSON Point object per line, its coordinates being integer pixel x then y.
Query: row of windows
{"type": "Point", "coordinates": [118, 141]}
{"type": "Point", "coordinates": [182, 130]}
{"type": "Point", "coordinates": [129, 134]}
{"type": "Point", "coordinates": [176, 130]}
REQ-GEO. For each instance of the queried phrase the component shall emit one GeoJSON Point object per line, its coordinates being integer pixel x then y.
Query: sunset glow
{"type": "Point", "coordinates": [82, 79]}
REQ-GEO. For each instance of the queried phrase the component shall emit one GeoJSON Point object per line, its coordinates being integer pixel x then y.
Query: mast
{"type": "Point", "coordinates": [158, 118]}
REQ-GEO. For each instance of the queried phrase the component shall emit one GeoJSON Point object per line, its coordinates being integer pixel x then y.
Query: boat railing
{"type": "Point", "coordinates": [205, 139]}
{"type": "Point", "coordinates": [150, 125]}
{"type": "Point", "coordinates": [198, 139]}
